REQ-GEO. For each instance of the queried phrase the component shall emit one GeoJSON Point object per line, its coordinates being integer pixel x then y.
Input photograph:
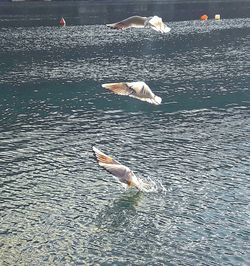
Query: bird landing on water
{"type": "Point", "coordinates": [122, 173]}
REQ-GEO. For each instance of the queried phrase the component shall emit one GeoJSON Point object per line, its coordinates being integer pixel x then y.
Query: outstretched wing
{"type": "Point", "coordinates": [119, 88]}
{"type": "Point", "coordinates": [118, 170]}
{"type": "Point", "coordinates": [118, 25]}
{"type": "Point", "coordinates": [103, 158]}
{"type": "Point", "coordinates": [122, 172]}
{"type": "Point", "coordinates": [134, 21]}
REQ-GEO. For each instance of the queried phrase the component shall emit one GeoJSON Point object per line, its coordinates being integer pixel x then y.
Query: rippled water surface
{"type": "Point", "coordinates": [58, 207]}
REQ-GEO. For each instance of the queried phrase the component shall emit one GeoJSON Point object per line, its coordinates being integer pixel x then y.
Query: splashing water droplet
{"type": "Point", "coordinates": [149, 185]}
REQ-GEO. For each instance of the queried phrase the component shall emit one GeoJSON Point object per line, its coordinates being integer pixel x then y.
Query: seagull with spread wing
{"type": "Point", "coordinates": [154, 23]}
{"type": "Point", "coordinates": [123, 174]}
{"type": "Point", "coordinates": [139, 90]}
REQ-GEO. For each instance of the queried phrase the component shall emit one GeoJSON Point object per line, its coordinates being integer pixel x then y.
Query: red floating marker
{"type": "Point", "coordinates": [62, 22]}
{"type": "Point", "coordinates": [204, 17]}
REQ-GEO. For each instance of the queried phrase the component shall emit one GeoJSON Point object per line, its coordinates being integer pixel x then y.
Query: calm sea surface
{"type": "Point", "coordinates": [58, 207]}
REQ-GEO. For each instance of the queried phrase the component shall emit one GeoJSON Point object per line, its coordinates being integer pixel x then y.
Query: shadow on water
{"type": "Point", "coordinates": [120, 213]}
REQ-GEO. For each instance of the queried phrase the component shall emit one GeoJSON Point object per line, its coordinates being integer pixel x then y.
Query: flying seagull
{"type": "Point", "coordinates": [139, 90]}
{"type": "Point", "coordinates": [154, 22]}
{"type": "Point", "coordinates": [123, 174]}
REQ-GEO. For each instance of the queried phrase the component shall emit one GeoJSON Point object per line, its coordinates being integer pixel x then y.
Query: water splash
{"type": "Point", "coordinates": [152, 186]}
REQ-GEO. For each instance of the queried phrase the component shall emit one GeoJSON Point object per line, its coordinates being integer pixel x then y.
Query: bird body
{"type": "Point", "coordinates": [154, 22]}
{"type": "Point", "coordinates": [123, 174]}
{"type": "Point", "coordinates": [157, 24]}
{"type": "Point", "coordinates": [139, 90]}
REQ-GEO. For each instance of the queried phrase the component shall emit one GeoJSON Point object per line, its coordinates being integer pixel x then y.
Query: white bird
{"type": "Point", "coordinates": [154, 22]}
{"type": "Point", "coordinates": [123, 174]}
{"type": "Point", "coordinates": [139, 90]}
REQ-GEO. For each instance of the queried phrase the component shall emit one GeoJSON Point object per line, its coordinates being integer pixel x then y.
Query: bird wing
{"type": "Point", "coordinates": [122, 172]}
{"type": "Point", "coordinates": [103, 158]}
{"type": "Point", "coordinates": [118, 25]}
{"type": "Point", "coordinates": [119, 88]}
{"type": "Point", "coordinates": [134, 21]}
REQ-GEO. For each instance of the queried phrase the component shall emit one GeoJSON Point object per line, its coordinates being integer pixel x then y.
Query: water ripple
{"type": "Point", "coordinates": [59, 207]}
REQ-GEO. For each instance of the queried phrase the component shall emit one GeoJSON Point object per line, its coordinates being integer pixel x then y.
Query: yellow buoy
{"type": "Point", "coordinates": [217, 17]}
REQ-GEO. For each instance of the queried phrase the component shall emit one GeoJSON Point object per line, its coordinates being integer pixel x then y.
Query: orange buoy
{"type": "Point", "coordinates": [204, 17]}
{"type": "Point", "coordinates": [62, 22]}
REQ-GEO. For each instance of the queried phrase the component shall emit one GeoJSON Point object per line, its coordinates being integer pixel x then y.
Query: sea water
{"type": "Point", "coordinates": [58, 207]}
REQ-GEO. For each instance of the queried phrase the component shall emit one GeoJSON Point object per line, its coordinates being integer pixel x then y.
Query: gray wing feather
{"type": "Point", "coordinates": [120, 171]}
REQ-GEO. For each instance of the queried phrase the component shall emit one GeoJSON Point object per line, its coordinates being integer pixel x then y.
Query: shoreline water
{"type": "Point", "coordinates": [46, 13]}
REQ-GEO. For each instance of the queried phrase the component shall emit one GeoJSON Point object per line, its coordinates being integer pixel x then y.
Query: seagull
{"type": "Point", "coordinates": [154, 22]}
{"type": "Point", "coordinates": [123, 174]}
{"type": "Point", "coordinates": [139, 90]}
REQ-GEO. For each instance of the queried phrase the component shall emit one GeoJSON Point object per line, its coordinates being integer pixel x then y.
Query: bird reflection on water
{"type": "Point", "coordinates": [120, 213]}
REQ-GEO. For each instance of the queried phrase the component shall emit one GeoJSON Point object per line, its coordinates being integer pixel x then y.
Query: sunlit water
{"type": "Point", "coordinates": [58, 207]}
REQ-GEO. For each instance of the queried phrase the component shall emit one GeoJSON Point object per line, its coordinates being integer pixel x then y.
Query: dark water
{"type": "Point", "coordinates": [92, 12]}
{"type": "Point", "coordinates": [59, 208]}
